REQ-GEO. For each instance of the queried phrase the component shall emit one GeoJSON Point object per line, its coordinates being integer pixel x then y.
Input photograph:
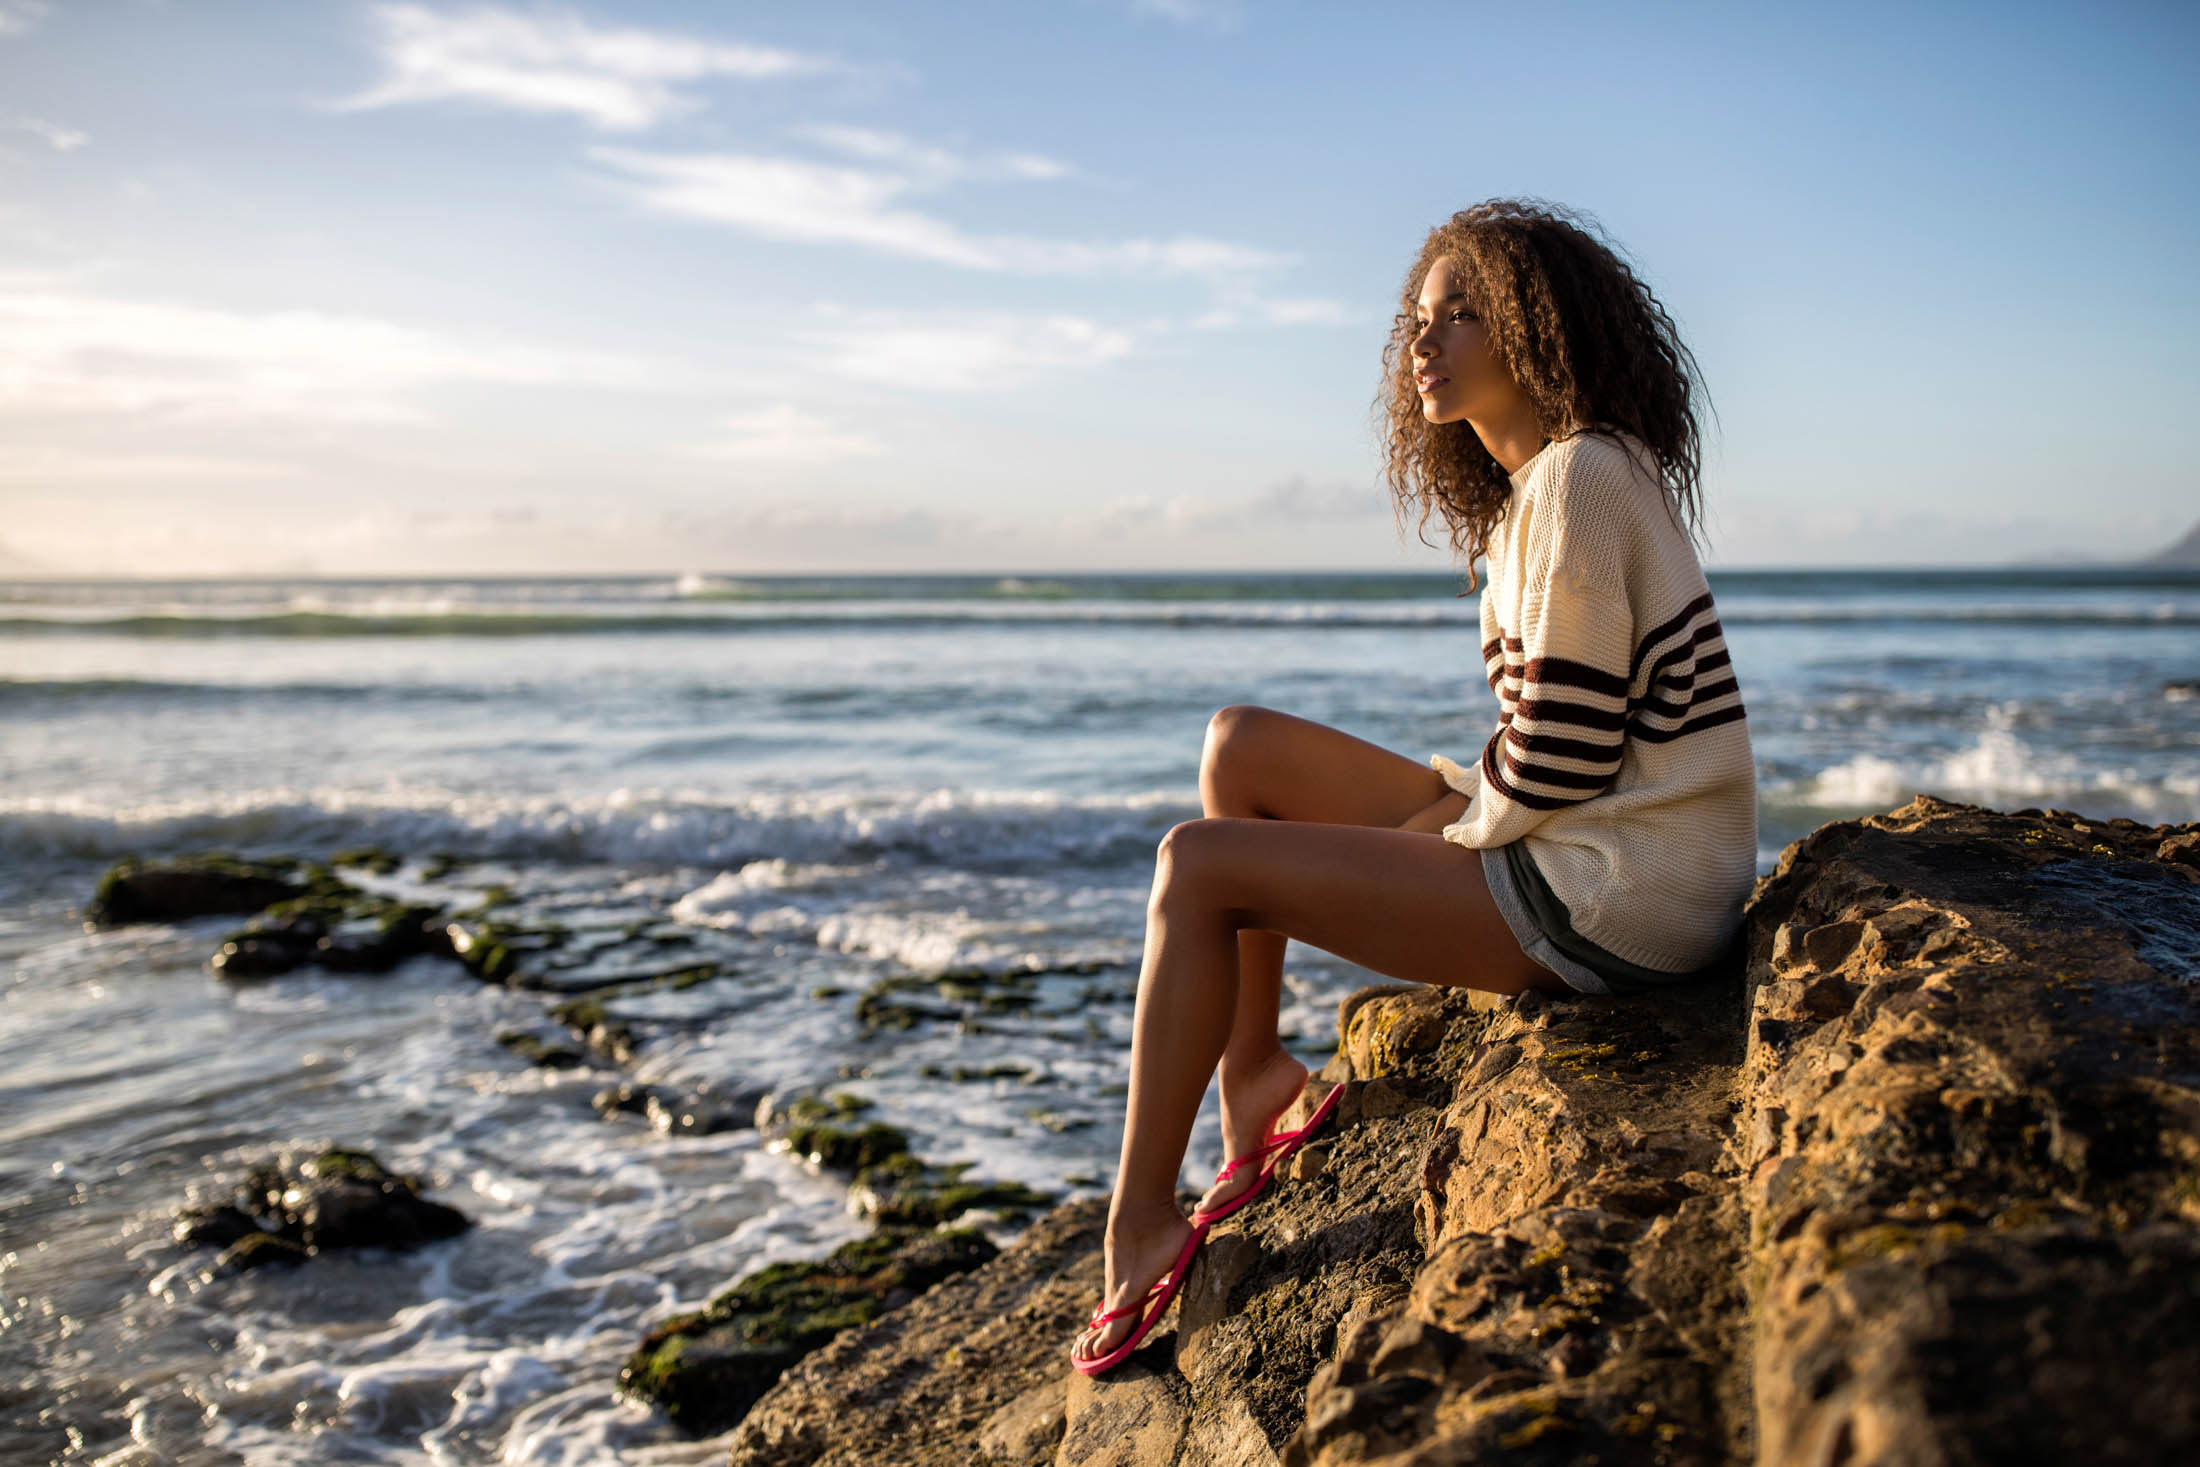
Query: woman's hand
{"type": "Point", "coordinates": [1446, 811]}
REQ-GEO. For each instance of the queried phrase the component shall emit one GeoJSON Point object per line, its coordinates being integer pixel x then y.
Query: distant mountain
{"type": "Point", "coordinates": [2184, 552]}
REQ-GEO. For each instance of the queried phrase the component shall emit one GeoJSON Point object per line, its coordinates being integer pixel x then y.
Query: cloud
{"type": "Point", "coordinates": [785, 434]}
{"type": "Point", "coordinates": [939, 164]}
{"type": "Point", "coordinates": [18, 16]}
{"type": "Point", "coordinates": [1291, 503]}
{"type": "Point", "coordinates": [52, 466]}
{"type": "Point", "coordinates": [963, 353]}
{"type": "Point", "coordinates": [1306, 312]}
{"type": "Point", "coordinates": [782, 199]}
{"type": "Point", "coordinates": [803, 528]}
{"type": "Point", "coordinates": [70, 351]}
{"type": "Point", "coordinates": [826, 203]}
{"type": "Point", "coordinates": [552, 61]}
{"type": "Point", "coordinates": [60, 139]}
{"type": "Point", "coordinates": [1299, 498]}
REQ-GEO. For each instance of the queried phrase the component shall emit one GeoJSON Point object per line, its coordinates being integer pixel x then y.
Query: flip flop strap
{"type": "Point", "coordinates": [1260, 1153]}
{"type": "Point", "coordinates": [1100, 1320]}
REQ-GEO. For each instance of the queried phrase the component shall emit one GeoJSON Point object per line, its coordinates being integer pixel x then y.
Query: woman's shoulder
{"type": "Point", "coordinates": [1599, 471]}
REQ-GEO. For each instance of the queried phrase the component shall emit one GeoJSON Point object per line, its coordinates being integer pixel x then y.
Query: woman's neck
{"type": "Point", "coordinates": [1512, 441]}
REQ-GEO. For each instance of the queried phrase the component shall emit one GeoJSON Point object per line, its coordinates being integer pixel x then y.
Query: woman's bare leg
{"type": "Point", "coordinates": [1406, 904]}
{"type": "Point", "coordinates": [1260, 764]}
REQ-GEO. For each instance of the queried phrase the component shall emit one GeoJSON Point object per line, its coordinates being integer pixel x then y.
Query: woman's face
{"type": "Point", "coordinates": [1453, 366]}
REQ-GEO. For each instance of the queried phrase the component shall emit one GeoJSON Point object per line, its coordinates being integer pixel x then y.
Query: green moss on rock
{"type": "Point", "coordinates": [706, 1369]}
{"type": "Point", "coordinates": [537, 1050]}
{"type": "Point", "coordinates": [258, 1250]}
{"type": "Point", "coordinates": [848, 1149]}
{"type": "Point", "coordinates": [194, 886]}
{"type": "Point", "coordinates": [811, 1108]}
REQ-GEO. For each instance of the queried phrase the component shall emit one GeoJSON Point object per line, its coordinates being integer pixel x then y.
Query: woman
{"type": "Point", "coordinates": [1542, 405]}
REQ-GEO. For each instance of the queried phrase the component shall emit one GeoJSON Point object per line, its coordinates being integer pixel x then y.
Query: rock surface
{"type": "Point", "coordinates": [170, 891]}
{"type": "Point", "coordinates": [1922, 1187]}
{"type": "Point", "coordinates": [286, 1213]}
{"type": "Point", "coordinates": [705, 1368]}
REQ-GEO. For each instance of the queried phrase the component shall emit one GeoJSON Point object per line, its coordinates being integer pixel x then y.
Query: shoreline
{"type": "Point", "coordinates": [1830, 950]}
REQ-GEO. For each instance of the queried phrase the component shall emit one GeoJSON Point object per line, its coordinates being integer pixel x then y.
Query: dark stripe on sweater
{"type": "Point", "coordinates": [1729, 714]}
{"type": "Point", "coordinates": [1567, 673]}
{"type": "Point", "coordinates": [1682, 652]}
{"type": "Point", "coordinates": [1508, 789]}
{"type": "Point", "coordinates": [1667, 628]}
{"type": "Point", "coordinates": [1581, 715]}
{"type": "Point", "coordinates": [1558, 747]}
{"type": "Point", "coordinates": [1710, 662]}
{"type": "Point", "coordinates": [1703, 693]}
{"type": "Point", "coordinates": [1588, 784]}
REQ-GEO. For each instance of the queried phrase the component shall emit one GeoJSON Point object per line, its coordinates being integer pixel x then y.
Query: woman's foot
{"type": "Point", "coordinates": [1140, 1252]}
{"type": "Point", "coordinates": [1252, 1104]}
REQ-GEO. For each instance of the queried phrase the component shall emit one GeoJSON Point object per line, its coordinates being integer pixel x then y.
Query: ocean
{"type": "Point", "coordinates": [815, 786]}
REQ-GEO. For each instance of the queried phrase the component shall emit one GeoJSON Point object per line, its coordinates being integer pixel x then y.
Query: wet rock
{"type": "Point", "coordinates": [339, 1198]}
{"type": "Point", "coordinates": [262, 954]}
{"type": "Point", "coordinates": [197, 886]}
{"type": "Point", "coordinates": [906, 1191]}
{"type": "Point", "coordinates": [1919, 1188]}
{"type": "Point", "coordinates": [537, 1050]}
{"type": "Point", "coordinates": [883, 1009]}
{"type": "Point", "coordinates": [705, 1369]}
{"type": "Point", "coordinates": [848, 1149]}
{"type": "Point", "coordinates": [214, 1227]}
{"type": "Point", "coordinates": [868, 1398]}
{"type": "Point", "coordinates": [369, 945]}
{"type": "Point", "coordinates": [258, 1250]}
{"type": "Point", "coordinates": [331, 925]}
{"type": "Point", "coordinates": [346, 1199]}
{"type": "Point", "coordinates": [701, 1110]}
{"type": "Point", "coordinates": [777, 1115]}
{"type": "Point", "coordinates": [480, 946]}
{"type": "Point", "coordinates": [890, 1184]}
{"type": "Point", "coordinates": [592, 1023]}
{"type": "Point", "coordinates": [628, 1097]}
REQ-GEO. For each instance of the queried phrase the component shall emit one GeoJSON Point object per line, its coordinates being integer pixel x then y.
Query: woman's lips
{"type": "Point", "coordinates": [1430, 381]}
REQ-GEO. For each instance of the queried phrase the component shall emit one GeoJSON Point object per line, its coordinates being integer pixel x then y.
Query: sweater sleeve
{"type": "Point", "coordinates": [1561, 676]}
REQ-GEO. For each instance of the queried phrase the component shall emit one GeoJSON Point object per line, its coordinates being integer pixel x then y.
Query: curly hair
{"type": "Point", "coordinates": [1578, 330]}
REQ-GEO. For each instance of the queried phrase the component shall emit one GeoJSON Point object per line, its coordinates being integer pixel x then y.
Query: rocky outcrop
{"type": "Point", "coordinates": [1923, 1186]}
{"type": "Point", "coordinates": [971, 1371]}
{"type": "Point", "coordinates": [1972, 1143]}
{"type": "Point", "coordinates": [171, 891]}
{"type": "Point", "coordinates": [289, 1211]}
{"type": "Point", "coordinates": [705, 1368]}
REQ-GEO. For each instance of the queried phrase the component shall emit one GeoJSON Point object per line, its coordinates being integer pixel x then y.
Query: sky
{"type": "Point", "coordinates": [431, 289]}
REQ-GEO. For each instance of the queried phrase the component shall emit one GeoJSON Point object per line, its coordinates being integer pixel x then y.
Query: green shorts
{"type": "Point", "coordinates": [1545, 931]}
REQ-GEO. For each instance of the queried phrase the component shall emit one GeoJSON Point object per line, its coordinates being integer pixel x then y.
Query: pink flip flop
{"type": "Point", "coordinates": [1149, 1309]}
{"type": "Point", "coordinates": [1269, 1155]}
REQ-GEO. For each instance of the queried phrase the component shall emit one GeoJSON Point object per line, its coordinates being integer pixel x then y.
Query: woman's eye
{"type": "Point", "coordinates": [1462, 315]}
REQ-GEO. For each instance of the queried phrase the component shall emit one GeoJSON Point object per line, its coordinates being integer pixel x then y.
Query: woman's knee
{"type": "Point", "coordinates": [1236, 737]}
{"type": "Point", "coordinates": [1186, 856]}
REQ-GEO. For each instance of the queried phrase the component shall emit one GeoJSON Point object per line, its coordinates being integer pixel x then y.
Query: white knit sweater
{"type": "Point", "coordinates": [1621, 756]}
